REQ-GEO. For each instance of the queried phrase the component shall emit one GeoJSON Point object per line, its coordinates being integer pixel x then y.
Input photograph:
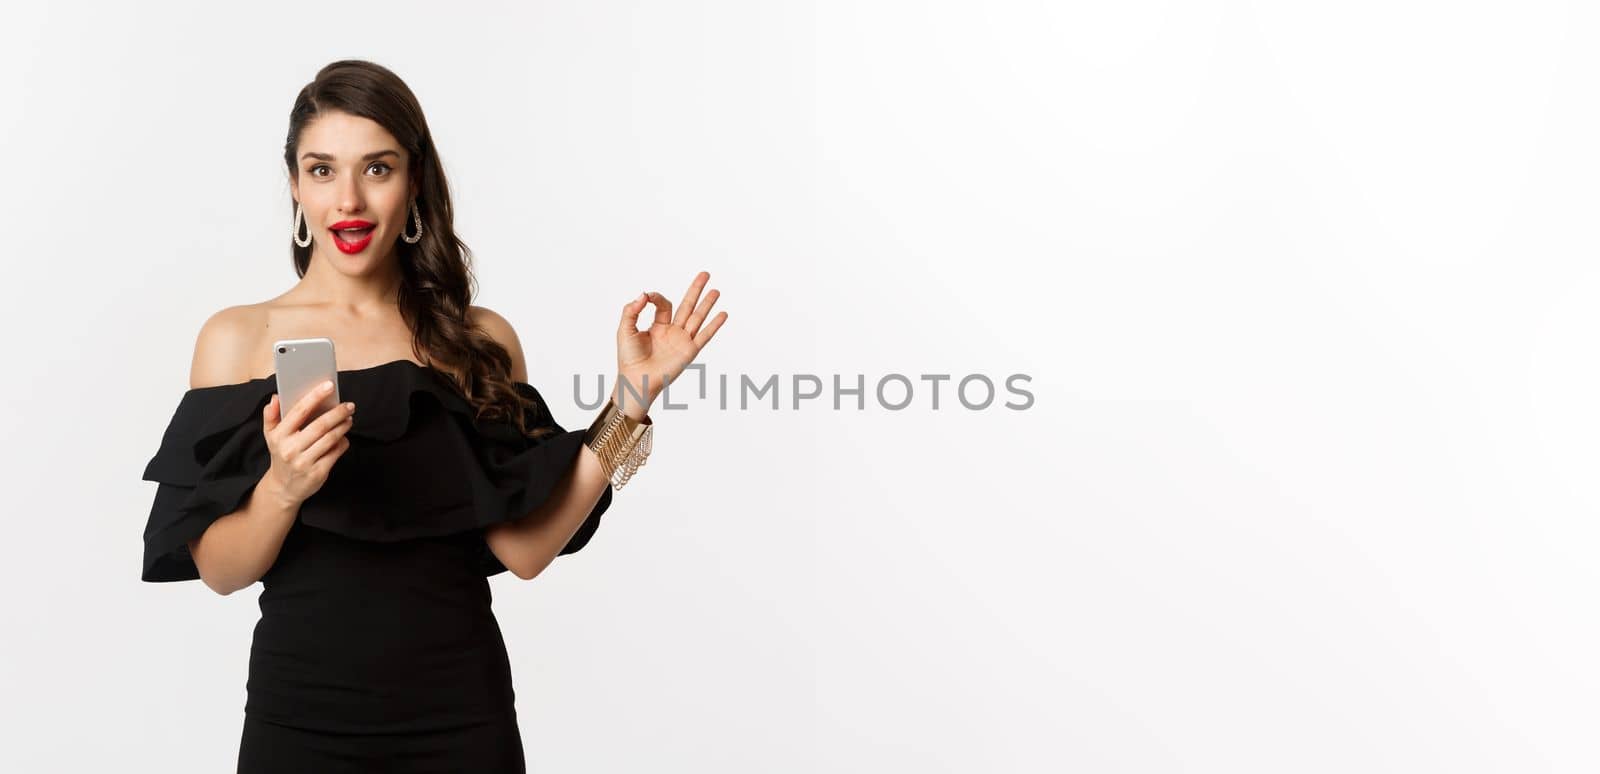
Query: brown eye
{"type": "Point", "coordinates": [385, 167]}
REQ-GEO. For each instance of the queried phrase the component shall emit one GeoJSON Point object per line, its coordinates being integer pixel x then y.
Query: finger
{"type": "Point", "coordinates": [663, 308]}
{"type": "Point", "coordinates": [297, 437]}
{"type": "Point", "coordinates": [686, 307]}
{"type": "Point", "coordinates": [331, 419]}
{"type": "Point", "coordinates": [324, 462]}
{"type": "Point", "coordinates": [269, 414]}
{"type": "Point", "coordinates": [328, 440]}
{"type": "Point", "coordinates": [301, 442]}
{"type": "Point", "coordinates": [692, 325]}
{"type": "Point", "coordinates": [308, 403]}
{"type": "Point", "coordinates": [630, 315]}
{"type": "Point", "coordinates": [704, 336]}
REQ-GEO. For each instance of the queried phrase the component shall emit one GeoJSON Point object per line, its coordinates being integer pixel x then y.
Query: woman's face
{"type": "Point", "coordinates": [353, 183]}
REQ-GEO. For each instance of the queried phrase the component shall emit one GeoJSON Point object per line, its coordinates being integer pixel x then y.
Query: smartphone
{"type": "Point", "coordinates": [302, 365]}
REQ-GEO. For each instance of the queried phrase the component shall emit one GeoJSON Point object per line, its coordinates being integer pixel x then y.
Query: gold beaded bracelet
{"type": "Point", "coordinates": [621, 443]}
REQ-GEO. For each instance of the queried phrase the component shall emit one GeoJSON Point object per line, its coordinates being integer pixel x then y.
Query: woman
{"type": "Point", "coordinates": [373, 526]}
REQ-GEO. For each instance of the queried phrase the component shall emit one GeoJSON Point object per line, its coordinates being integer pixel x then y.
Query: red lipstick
{"type": "Point", "coordinates": [352, 236]}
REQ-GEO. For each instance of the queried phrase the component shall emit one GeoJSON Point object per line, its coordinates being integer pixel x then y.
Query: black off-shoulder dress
{"type": "Point", "coordinates": [376, 649]}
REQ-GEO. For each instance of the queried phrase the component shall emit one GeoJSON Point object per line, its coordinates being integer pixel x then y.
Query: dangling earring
{"type": "Point", "coordinates": [416, 217]}
{"type": "Point", "coordinates": [295, 231]}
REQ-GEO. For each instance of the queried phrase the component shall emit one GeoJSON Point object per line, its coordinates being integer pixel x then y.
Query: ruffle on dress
{"type": "Point", "coordinates": [419, 465]}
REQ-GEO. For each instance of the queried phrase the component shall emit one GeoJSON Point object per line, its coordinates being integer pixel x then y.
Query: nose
{"type": "Point", "coordinates": [351, 201]}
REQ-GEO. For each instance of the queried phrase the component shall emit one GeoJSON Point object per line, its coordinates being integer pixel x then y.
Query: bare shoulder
{"type": "Point", "coordinates": [503, 334]}
{"type": "Point", "coordinates": [221, 351]}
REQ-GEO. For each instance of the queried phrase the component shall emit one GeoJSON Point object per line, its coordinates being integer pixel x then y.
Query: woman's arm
{"type": "Point", "coordinates": [239, 548]}
{"type": "Point", "coordinates": [528, 545]}
{"type": "Point", "coordinates": [236, 550]}
{"type": "Point", "coordinates": [646, 362]}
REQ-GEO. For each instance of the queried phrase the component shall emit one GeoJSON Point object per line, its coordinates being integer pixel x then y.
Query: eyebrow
{"type": "Point", "coordinates": [368, 157]}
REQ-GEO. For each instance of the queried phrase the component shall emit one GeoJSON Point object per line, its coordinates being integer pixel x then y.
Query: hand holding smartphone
{"type": "Point", "coordinates": [306, 429]}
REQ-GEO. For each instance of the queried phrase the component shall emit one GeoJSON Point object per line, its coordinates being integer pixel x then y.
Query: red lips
{"type": "Point", "coordinates": [353, 241]}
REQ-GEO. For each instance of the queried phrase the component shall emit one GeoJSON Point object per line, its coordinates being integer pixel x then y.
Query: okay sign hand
{"type": "Point", "coordinates": [649, 360]}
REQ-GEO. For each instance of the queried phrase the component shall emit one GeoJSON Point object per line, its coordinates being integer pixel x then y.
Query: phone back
{"type": "Point", "coordinates": [301, 365]}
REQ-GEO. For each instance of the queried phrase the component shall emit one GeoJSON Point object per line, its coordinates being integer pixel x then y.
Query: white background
{"type": "Point", "coordinates": [1307, 292]}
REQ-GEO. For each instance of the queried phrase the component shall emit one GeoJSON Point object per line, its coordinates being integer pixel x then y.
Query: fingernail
{"type": "Point", "coordinates": [326, 386]}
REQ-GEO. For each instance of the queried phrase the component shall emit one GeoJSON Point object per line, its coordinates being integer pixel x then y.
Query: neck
{"type": "Point", "coordinates": [378, 288]}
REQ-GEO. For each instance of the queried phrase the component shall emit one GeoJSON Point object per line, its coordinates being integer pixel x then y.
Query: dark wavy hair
{"type": "Point", "coordinates": [436, 285]}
